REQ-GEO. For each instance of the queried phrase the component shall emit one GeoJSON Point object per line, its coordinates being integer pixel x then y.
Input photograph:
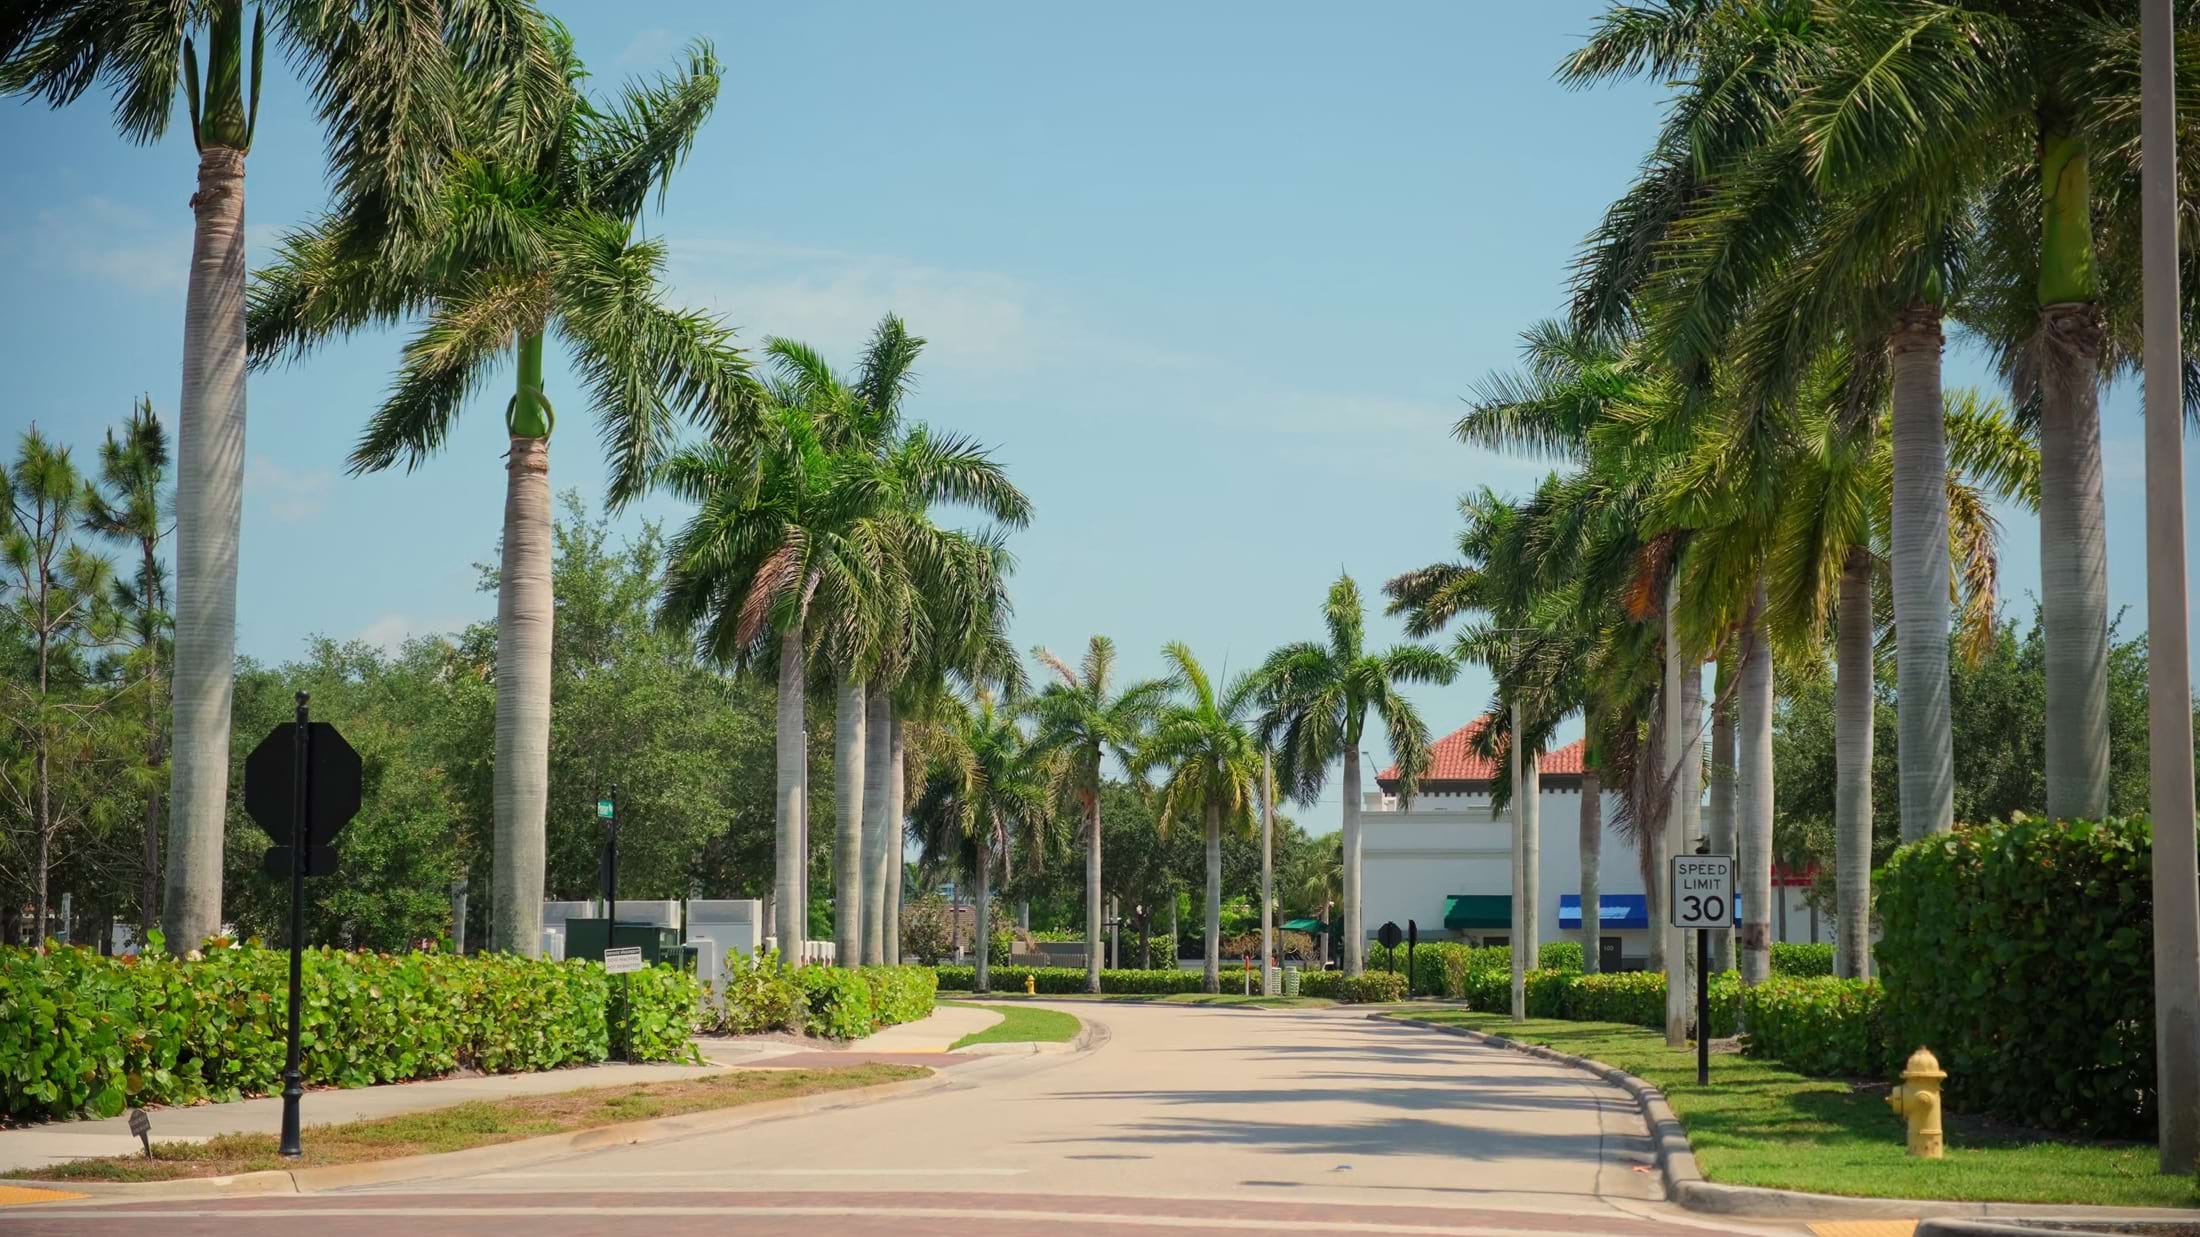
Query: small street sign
{"type": "Point", "coordinates": [1389, 935]}
{"type": "Point", "coordinates": [623, 960]}
{"type": "Point", "coordinates": [605, 810]}
{"type": "Point", "coordinates": [142, 1126]}
{"type": "Point", "coordinates": [1702, 892]}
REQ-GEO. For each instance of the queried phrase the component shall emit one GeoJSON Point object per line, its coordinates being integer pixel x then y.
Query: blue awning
{"type": "Point", "coordinates": [1614, 910]}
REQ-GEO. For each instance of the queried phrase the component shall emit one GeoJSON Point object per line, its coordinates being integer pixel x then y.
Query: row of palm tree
{"type": "Point", "coordinates": [395, 85]}
{"type": "Point", "coordinates": [1759, 463]}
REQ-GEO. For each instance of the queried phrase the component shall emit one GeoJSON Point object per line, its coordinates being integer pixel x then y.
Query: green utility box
{"type": "Point", "coordinates": [584, 938]}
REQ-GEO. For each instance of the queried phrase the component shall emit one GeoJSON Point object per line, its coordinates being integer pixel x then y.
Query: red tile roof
{"type": "Point", "coordinates": [1454, 760]}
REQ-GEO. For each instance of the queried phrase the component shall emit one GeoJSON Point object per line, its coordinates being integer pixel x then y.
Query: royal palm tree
{"type": "Point", "coordinates": [538, 235]}
{"type": "Point", "coordinates": [984, 799]}
{"type": "Point", "coordinates": [1204, 747]}
{"type": "Point", "coordinates": [1082, 717]}
{"type": "Point", "coordinates": [384, 76]}
{"type": "Point", "coordinates": [1315, 699]}
{"type": "Point", "coordinates": [133, 507]}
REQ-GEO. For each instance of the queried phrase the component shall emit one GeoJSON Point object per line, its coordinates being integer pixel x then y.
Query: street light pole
{"type": "Point", "coordinates": [2169, 667]}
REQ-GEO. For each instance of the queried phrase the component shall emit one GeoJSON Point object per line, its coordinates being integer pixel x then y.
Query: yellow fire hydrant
{"type": "Point", "coordinates": [1031, 984]}
{"type": "Point", "coordinates": [1917, 1099]}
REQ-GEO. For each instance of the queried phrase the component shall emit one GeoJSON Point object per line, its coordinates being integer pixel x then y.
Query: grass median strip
{"type": "Point", "coordinates": [1021, 1024]}
{"type": "Point", "coordinates": [1760, 1123]}
{"type": "Point", "coordinates": [480, 1123]}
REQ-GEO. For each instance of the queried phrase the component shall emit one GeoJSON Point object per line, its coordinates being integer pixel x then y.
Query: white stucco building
{"type": "Point", "coordinates": [1444, 860]}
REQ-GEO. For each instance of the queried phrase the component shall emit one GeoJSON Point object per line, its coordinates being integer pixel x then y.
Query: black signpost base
{"type": "Point", "coordinates": [1703, 1007]}
{"type": "Point", "coordinates": [294, 1079]}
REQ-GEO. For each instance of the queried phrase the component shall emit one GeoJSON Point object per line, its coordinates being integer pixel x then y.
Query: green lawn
{"type": "Point", "coordinates": [1762, 1124]}
{"type": "Point", "coordinates": [476, 1124]}
{"type": "Point", "coordinates": [1021, 1024]}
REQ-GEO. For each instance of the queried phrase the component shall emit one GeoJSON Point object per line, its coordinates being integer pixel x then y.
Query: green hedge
{"type": "Point", "coordinates": [1802, 959]}
{"type": "Point", "coordinates": [1820, 1025]}
{"type": "Point", "coordinates": [1057, 980]}
{"type": "Point", "coordinates": [763, 995]}
{"type": "Point", "coordinates": [2022, 954]}
{"type": "Point", "coordinates": [1370, 987]}
{"type": "Point", "coordinates": [1635, 997]}
{"type": "Point", "coordinates": [81, 1033]}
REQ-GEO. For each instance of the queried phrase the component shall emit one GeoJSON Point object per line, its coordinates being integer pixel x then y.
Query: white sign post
{"type": "Point", "coordinates": [1702, 897]}
{"type": "Point", "coordinates": [1703, 892]}
{"type": "Point", "coordinates": [623, 960]}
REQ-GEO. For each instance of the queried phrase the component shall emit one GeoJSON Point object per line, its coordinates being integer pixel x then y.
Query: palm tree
{"type": "Point", "coordinates": [1083, 718]}
{"type": "Point", "coordinates": [984, 797]}
{"type": "Point", "coordinates": [537, 236]}
{"type": "Point", "coordinates": [1211, 769]}
{"type": "Point", "coordinates": [133, 507]}
{"type": "Point", "coordinates": [383, 75]}
{"type": "Point", "coordinates": [1315, 699]}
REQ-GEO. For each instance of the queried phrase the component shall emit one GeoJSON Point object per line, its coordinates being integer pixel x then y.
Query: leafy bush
{"type": "Point", "coordinates": [836, 1002]}
{"type": "Point", "coordinates": [1802, 959]}
{"type": "Point", "coordinates": [1371, 987]}
{"type": "Point", "coordinates": [654, 1014]}
{"type": "Point", "coordinates": [1819, 1025]}
{"type": "Point", "coordinates": [84, 1033]}
{"type": "Point", "coordinates": [760, 995]}
{"type": "Point", "coordinates": [1299, 945]}
{"type": "Point", "coordinates": [1634, 997]}
{"type": "Point", "coordinates": [2022, 954]}
{"type": "Point", "coordinates": [1440, 968]}
{"type": "Point", "coordinates": [1557, 956]}
{"type": "Point", "coordinates": [900, 993]}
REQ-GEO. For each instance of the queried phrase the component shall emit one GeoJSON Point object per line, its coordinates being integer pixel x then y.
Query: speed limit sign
{"type": "Point", "coordinates": [1703, 892]}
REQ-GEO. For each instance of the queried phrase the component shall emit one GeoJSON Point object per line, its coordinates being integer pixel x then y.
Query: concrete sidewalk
{"type": "Point", "coordinates": [936, 1032]}
{"type": "Point", "coordinates": [60, 1141]}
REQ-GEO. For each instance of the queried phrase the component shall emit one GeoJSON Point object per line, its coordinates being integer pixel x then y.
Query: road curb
{"type": "Point", "coordinates": [496, 1156]}
{"type": "Point", "coordinates": [1685, 1184]}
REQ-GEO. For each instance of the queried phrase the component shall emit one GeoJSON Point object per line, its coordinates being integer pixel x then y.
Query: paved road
{"type": "Point", "coordinates": [1204, 1119]}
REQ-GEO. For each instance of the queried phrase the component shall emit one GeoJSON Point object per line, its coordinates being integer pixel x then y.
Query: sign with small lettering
{"type": "Point", "coordinates": [623, 960]}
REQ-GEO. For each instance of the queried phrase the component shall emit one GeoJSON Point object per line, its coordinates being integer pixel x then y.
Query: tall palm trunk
{"type": "Point", "coordinates": [1213, 980]}
{"type": "Point", "coordinates": [1267, 867]}
{"type": "Point", "coordinates": [1531, 854]}
{"type": "Point", "coordinates": [1754, 783]}
{"type": "Point", "coordinates": [209, 503]}
{"type": "Point", "coordinates": [983, 946]}
{"type": "Point", "coordinates": [1650, 808]}
{"type": "Point", "coordinates": [1720, 822]}
{"type": "Point", "coordinates": [1852, 783]}
{"type": "Point", "coordinates": [526, 611]}
{"type": "Point", "coordinates": [877, 744]}
{"type": "Point", "coordinates": [896, 753]}
{"type": "Point", "coordinates": [1592, 876]}
{"type": "Point", "coordinates": [149, 883]}
{"type": "Point", "coordinates": [1518, 946]}
{"type": "Point", "coordinates": [849, 749]}
{"type": "Point", "coordinates": [2169, 666]}
{"type": "Point", "coordinates": [1923, 738]}
{"type": "Point", "coordinates": [1092, 890]}
{"type": "Point", "coordinates": [1355, 940]}
{"type": "Point", "coordinates": [2066, 359]}
{"type": "Point", "coordinates": [1671, 839]}
{"type": "Point", "coordinates": [791, 762]}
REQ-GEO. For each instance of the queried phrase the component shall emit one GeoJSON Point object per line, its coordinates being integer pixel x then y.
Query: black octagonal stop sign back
{"type": "Point", "coordinates": [332, 783]}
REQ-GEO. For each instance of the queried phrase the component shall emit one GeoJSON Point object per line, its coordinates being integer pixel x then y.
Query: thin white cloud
{"type": "Point", "coordinates": [390, 631]}
{"type": "Point", "coordinates": [652, 47]}
{"type": "Point", "coordinates": [287, 494]}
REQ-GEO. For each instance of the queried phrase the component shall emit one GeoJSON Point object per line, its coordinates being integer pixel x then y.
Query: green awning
{"type": "Point", "coordinates": [1478, 912]}
{"type": "Point", "coordinates": [1305, 925]}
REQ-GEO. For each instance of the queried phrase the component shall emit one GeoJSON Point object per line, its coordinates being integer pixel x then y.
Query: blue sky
{"type": "Point", "coordinates": [1212, 278]}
